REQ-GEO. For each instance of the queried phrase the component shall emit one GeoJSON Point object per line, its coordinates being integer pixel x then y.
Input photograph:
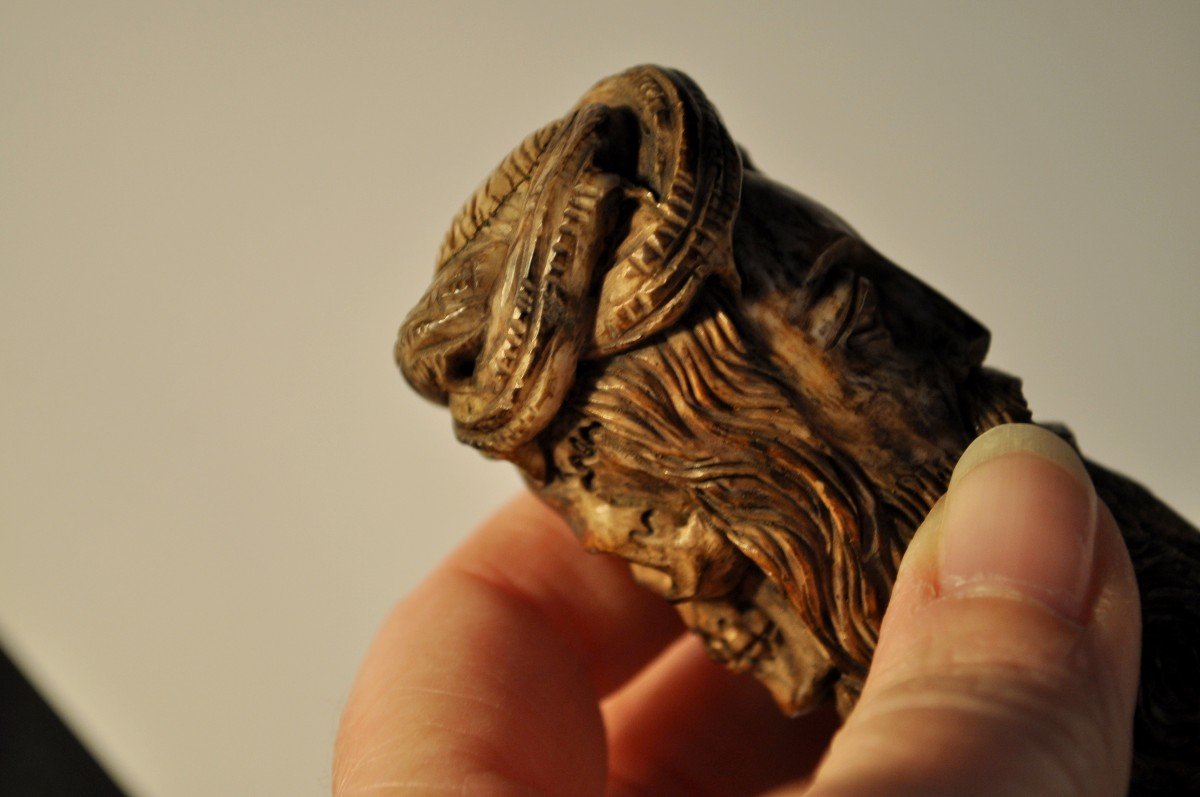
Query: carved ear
{"type": "Point", "coordinates": [693, 174]}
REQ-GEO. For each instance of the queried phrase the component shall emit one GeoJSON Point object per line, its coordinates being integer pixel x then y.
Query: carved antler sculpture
{"type": "Point", "coordinates": [718, 380]}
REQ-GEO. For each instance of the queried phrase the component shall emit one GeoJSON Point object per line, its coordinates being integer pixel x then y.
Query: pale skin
{"type": "Point", "coordinates": [526, 666]}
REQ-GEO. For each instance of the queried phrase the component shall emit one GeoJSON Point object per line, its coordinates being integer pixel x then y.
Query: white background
{"type": "Point", "coordinates": [213, 483]}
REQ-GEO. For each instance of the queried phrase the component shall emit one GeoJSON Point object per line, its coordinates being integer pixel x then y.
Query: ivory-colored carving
{"type": "Point", "coordinates": [718, 380]}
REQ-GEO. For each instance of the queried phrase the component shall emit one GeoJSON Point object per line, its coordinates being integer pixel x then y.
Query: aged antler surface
{"type": "Point", "coordinates": [718, 380]}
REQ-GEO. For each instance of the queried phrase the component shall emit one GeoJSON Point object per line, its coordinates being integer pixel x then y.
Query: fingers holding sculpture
{"type": "Point", "coordinates": [526, 665]}
{"type": "Point", "coordinates": [489, 674]}
{"type": "Point", "coordinates": [1008, 659]}
{"type": "Point", "coordinates": [687, 726]}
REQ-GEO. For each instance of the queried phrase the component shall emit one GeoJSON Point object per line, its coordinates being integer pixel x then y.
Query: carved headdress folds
{"type": "Point", "coordinates": [528, 280]}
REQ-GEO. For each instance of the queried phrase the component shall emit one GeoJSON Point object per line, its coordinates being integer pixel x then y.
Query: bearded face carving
{"type": "Point", "coordinates": [719, 381]}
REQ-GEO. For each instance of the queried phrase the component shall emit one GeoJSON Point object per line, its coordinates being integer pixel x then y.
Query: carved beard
{"type": "Point", "coordinates": [821, 538]}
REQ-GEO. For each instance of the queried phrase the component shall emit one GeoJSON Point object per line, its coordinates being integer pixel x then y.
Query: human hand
{"type": "Point", "coordinates": [1007, 664]}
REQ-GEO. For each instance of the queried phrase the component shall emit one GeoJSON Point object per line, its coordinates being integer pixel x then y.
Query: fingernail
{"type": "Point", "coordinates": [1020, 518]}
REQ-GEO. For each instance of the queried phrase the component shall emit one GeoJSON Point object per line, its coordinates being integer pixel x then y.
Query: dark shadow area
{"type": "Point", "coordinates": [38, 753]}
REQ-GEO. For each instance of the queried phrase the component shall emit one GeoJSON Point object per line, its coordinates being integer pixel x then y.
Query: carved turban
{"type": "Point", "coordinates": [529, 281]}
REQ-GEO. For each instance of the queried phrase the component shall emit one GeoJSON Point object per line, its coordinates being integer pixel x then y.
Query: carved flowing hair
{"type": "Point", "coordinates": [699, 410]}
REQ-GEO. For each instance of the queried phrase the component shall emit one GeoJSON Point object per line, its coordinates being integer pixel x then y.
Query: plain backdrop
{"type": "Point", "coordinates": [213, 216]}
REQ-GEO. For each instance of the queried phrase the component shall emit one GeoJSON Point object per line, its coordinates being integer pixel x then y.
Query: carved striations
{"type": "Point", "coordinates": [719, 381]}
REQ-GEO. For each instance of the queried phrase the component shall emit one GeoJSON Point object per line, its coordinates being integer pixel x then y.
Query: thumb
{"type": "Point", "coordinates": [1008, 659]}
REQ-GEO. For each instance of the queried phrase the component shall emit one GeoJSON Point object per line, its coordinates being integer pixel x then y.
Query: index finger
{"type": "Point", "coordinates": [490, 673]}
